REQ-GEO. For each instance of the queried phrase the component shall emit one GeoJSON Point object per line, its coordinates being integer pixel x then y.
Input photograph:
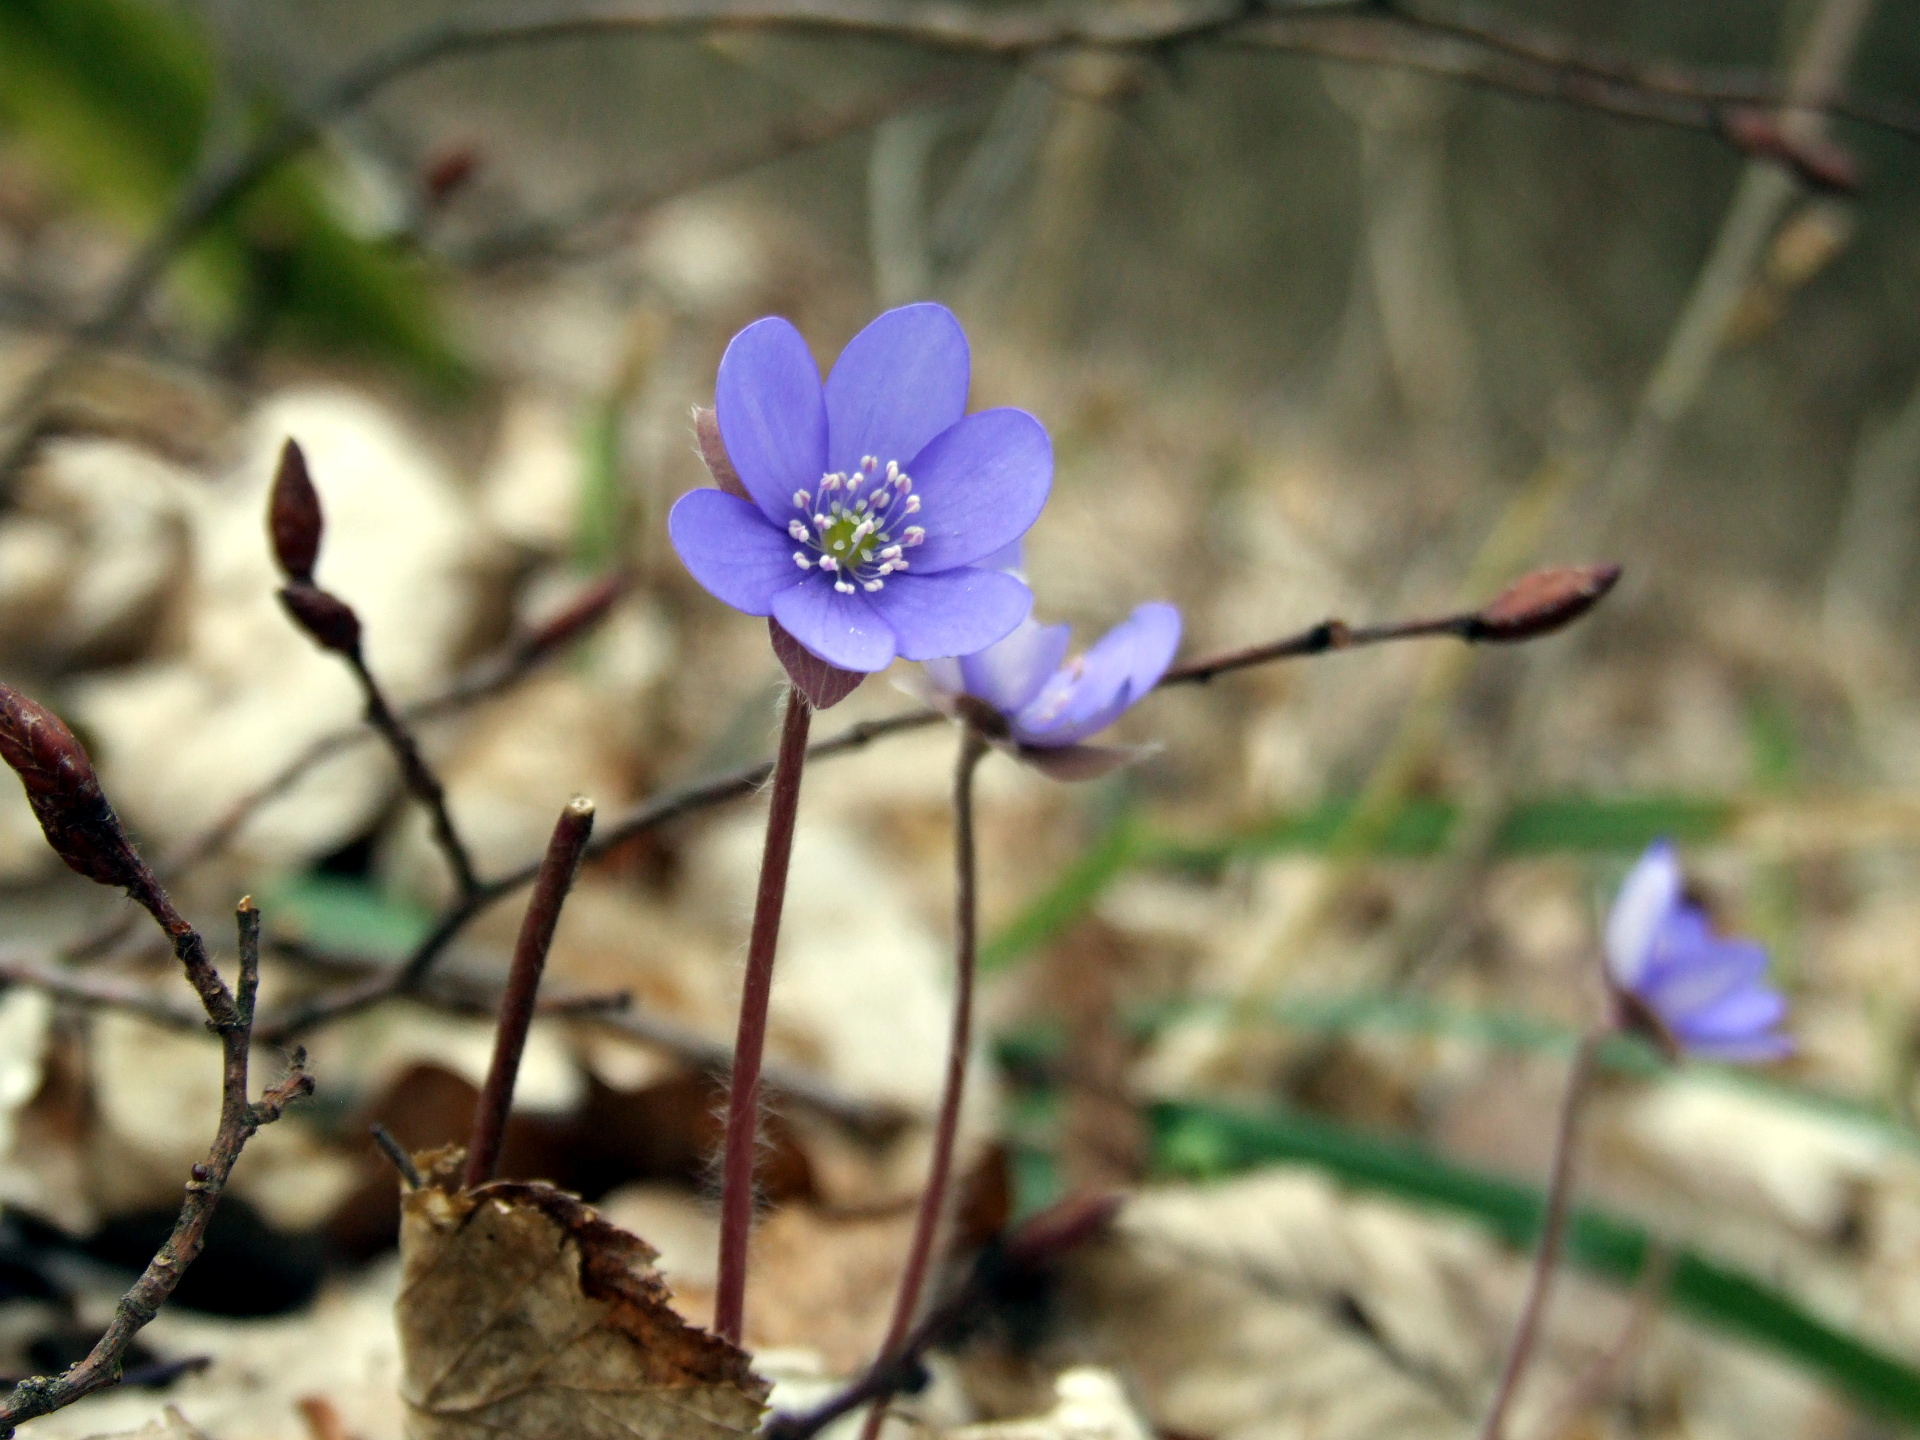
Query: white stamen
{"type": "Point", "coordinates": [893, 469]}
{"type": "Point", "coordinates": [892, 552]}
{"type": "Point", "coordinates": [914, 535]}
{"type": "Point", "coordinates": [871, 585]}
{"type": "Point", "coordinates": [797, 530]}
{"type": "Point", "coordinates": [801, 500]}
{"type": "Point", "coordinates": [801, 560]}
{"type": "Point", "coordinates": [913, 505]}
{"type": "Point", "coordinates": [827, 562]}
{"type": "Point", "coordinates": [843, 587]}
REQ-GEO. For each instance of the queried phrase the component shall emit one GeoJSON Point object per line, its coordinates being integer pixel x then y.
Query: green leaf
{"type": "Point", "coordinates": [1065, 900]}
{"type": "Point", "coordinates": [1418, 829]}
{"type": "Point", "coordinates": [349, 917]}
{"type": "Point", "coordinates": [1202, 1141]}
{"type": "Point", "coordinates": [115, 97]}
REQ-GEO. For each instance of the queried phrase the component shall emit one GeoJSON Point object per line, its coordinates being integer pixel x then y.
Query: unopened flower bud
{"type": "Point", "coordinates": [293, 516]}
{"type": "Point", "coordinates": [713, 452]}
{"type": "Point", "coordinates": [447, 173]}
{"type": "Point", "coordinates": [1540, 603]}
{"type": "Point", "coordinates": [64, 792]}
{"type": "Point", "coordinates": [326, 618]}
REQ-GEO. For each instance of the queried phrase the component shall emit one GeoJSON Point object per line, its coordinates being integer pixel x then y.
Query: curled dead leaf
{"type": "Point", "coordinates": [523, 1314]}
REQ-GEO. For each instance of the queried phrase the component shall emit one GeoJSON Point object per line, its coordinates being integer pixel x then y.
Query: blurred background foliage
{"type": "Point", "coordinates": [1310, 337]}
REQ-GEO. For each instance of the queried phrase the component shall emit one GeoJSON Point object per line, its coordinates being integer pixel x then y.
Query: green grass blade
{"type": "Point", "coordinates": [1202, 1140]}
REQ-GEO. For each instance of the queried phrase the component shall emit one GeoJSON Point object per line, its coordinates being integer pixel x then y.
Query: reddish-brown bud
{"type": "Point", "coordinates": [293, 516]}
{"type": "Point", "coordinates": [327, 619]}
{"type": "Point", "coordinates": [1540, 603]}
{"type": "Point", "coordinates": [64, 792]}
{"type": "Point", "coordinates": [713, 452]}
{"type": "Point", "coordinates": [447, 173]}
{"type": "Point", "coordinates": [824, 685]}
{"type": "Point", "coordinates": [1818, 162]}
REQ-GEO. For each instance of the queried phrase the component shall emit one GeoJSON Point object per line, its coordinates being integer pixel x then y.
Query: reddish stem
{"type": "Point", "coordinates": [926, 1223]}
{"type": "Point", "coordinates": [557, 869]}
{"type": "Point", "coordinates": [743, 1099]}
{"type": "Point", "coordinates": [1552, 1230]}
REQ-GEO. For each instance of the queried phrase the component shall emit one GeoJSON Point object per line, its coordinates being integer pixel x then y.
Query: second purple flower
{"type": "Point", "coordinates": [869, 498]}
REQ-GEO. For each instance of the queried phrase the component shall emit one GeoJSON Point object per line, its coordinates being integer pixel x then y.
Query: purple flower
{"type": "Point", "coordinates": [867, 501]}
{"type": "Point", "coordinates": [1025, 698]}
{"type": "Point", "coordinates": [1708, 992]}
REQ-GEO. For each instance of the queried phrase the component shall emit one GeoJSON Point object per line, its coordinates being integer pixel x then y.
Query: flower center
{"type": "Point", "coordinates": [855, 528]}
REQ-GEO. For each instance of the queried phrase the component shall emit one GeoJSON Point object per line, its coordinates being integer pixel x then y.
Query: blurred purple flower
{"type": "Point", "coordinates": [1042, 709]}
{"type": "Point", "coordinates": [1708, 992]}
{"type": "Point", "coordinates": [867, 501]}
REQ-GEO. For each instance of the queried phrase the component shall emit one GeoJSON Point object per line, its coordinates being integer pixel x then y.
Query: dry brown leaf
{"type": "Point", "coordinates": [523, 1314]}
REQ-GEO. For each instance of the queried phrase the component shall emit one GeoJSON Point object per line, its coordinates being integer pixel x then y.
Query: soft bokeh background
{"type": "Point", "coordinates": [1311, 339]}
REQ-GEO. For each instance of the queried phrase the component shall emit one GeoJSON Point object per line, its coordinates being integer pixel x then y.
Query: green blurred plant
{"type": "Point", "coordinates": [116, 99]}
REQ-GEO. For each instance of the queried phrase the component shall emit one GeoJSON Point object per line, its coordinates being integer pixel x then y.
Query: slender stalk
{"type": "Point", "coordinates": [557, 870]}
{"type": "Point", "coordinates": [420, 780]}
{"type": "Point", "coordinates": [1552, 1230]}
{"type": "Point", "coordinates": [926, 1222]}
{"type": "Point", "coordinates": [743, 1098]}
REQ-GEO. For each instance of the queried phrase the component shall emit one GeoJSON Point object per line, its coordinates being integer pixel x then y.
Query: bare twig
{"type": "Point", "coordinates": [606, 213]}
{"type": "Point", "coordinates": [557, 871]}
{"type": "Point", "coordinates": [1533, 606]}
{"type": "Point", "coordinates": [946, 1130]}
{"type": "Point", "coordinates": [90, 988]}
{"type": "Point", "coordinates": [1528, 63]}
{"type": "Point", "coordinates": [421, 781]}
{"type": "Point", "coordinates": [756, 992]}
{"type": "Point", "coordinates": [498, 672]}
{"type": "Point", "coordinates": [1546, 1255]}
{"type": "Point", "coordinates": [239, 1119]}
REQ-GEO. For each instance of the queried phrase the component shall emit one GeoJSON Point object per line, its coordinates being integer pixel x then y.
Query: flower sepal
{"type": "Point", "coordinates": [824, 685]}
{"type": "Point", "coordinates": [713, 452]}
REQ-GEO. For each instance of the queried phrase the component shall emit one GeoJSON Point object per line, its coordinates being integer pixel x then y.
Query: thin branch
{"type": "Point", "coordinates": [418, 776]}
{"type": "Point", "coordinates": [1546, 1255]}
{"type": "Point", "coordinates": [926, 1221]}
{"type": "Point", "coordinates": [92, 989]}
{"type": "Point", "coordinates": [1533, 64]}
{"type": "Point", "coordinates": [1536, 605]}
{"type": "Point", "coordinates": [608, 212]}
{"type": "Point", "coordinates": [557, 871]}
{"type": "Point", "coordinates": [1555, 69]}
{"type": "Point", "coordinates": [239, 1119]}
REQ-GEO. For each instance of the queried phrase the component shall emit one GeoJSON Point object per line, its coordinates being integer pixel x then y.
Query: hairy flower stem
{"type": "Point", "coordinates": [926, 1223]}
{"type": "Point", "coordinates": [557, 872]}
{"type": "Point", "coordinates": [743, 1099]}
{"type": "Point", "coordinates": [1553, 1228]}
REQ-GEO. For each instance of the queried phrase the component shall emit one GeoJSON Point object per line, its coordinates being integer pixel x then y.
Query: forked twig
{"type": "Point", "coordinates": [83, 830]}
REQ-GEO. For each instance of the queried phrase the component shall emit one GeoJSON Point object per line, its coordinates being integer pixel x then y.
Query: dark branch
{"type": "Point", "coordinates": [239, 1119]}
